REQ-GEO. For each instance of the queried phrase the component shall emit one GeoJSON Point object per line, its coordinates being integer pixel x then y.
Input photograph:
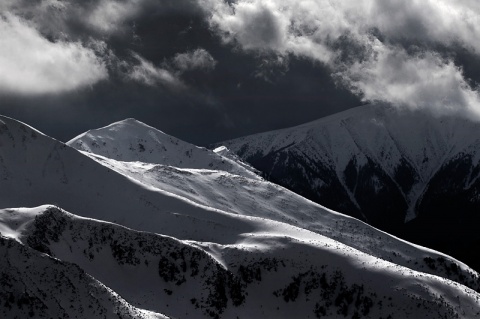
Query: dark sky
{"type": "Point", "coordinates": [210, 70]}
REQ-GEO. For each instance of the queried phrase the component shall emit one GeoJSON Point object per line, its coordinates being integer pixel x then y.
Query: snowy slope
{"type": "Point", "coordinates": [240, 195]}
{"type": "Point", "coordinates": [132, 140]}
{"type": "Point", "coordinates": [36, 285]}
{"type": "Point", "coordinates": [384, 166]}
{"type": "Point", "coordinates": [253, 266]}
{"type": "Point", "coordinates": [263, 274]}
{"type": "Point", "coordinates": [406, 148]}
{"type": "Point", "coordinates": [38, 169]}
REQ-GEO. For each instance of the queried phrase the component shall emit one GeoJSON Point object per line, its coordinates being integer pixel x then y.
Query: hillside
{"type": "Point", "coordinates": [261, 275]}
{"type": "Point", "coordinates": [406, 172]}
{"type": "Point", "coordinates": [159, 237]}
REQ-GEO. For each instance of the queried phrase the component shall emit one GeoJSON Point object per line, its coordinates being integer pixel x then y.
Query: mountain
{"type": "Point", "coordinates": [189, 242]}
{"type": "Point", "coordinates": [259, 198]}
{"type": "Point", "coordinates": [36, 285]}
{"type": "Point", "coordinates": [406, 172]}
{"type": "Point", "coordinates": [261, 275]}
{"type": "Point", "coordinates": [140, 142]}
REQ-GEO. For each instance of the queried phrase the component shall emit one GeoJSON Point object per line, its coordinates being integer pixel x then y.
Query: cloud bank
{"type": "Point", "coordinates": [235, 67]}
{"type": "Point", "coordinates": [395, 51]}
{"type": "Point", "coordinates": [54, 47]}
{"type": "Point", "coordinates": [382, 50]}
{"type": "Point", "coordinates": [31, 64]}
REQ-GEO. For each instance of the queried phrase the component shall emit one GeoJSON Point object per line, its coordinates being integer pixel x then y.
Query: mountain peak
{"type": "Point", "coordinates": [133, 122]}
{"type": "Point", "coordinates": [130, 140]}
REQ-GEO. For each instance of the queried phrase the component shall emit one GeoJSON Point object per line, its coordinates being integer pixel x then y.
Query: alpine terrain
{"type": "Point", "coordinates": [127, 221]}
{"type": "Point", "coordinates": [406, 172]}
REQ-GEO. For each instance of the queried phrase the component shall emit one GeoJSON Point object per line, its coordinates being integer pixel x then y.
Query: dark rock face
{"type": "Point", "coordinates": [449, 212]}
{"type": "Point", "coordinates": [298, 178]}
{"type": "Point", "coordinates": [366, 192]}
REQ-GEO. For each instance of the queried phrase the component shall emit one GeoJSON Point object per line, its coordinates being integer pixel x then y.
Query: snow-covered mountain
{"type": "Point", "coordinates": [132, 140]}
{"type": "Point", "coordinates": [406, 172]}
{"type": "Point", "coordinates": [36, 285]}
{"type": "Point", "coordinates": [259, 198]}
{"type": "Point", "coordinates": [208, 243]}
{"type": "Point", "coordinates": [261, 275]}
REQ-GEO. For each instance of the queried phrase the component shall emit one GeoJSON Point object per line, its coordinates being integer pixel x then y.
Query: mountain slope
{"type": "Point", "coordinates": [261, 275]}
{"type": "Point", "coordinates": [384, 166]}
{"type": "Point", "coordinates": [132, 140]}
{"type": "Point", "coordinates": [36, 285]}
{"type": "Point", "coordinates": [39, 169]}
{"type": "Point", "coordinates": [248, 265]}
{"type": "Point", "coordinates": [259, 198]}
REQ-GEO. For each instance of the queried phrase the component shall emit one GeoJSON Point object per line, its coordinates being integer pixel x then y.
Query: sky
{"type": "Point", "coordinates": [211, 70]}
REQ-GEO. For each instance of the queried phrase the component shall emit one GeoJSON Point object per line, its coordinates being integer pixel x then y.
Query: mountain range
{"type": "Point", "coordinates": [407, 172]}
{"type": "Point", "coordinates": [127, 221]}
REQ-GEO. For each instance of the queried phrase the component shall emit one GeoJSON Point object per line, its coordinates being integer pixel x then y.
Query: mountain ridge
{"type": "Point", "coordinates": [271, 254]}
{"type": "Point", "coordinates": [214, 280]}
{"type": "Point", "coordinates": [141, 142]}
{"type": "Point", "coordinates": [189, 183]}
{"type": "Point", "coordinates": [378, 164]}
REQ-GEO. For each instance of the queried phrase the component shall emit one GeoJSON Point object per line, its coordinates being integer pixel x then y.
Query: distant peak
{"type": "Point", "coordinates": [130, 120]}
{"type": "Point", "coordinates": [130, 123]}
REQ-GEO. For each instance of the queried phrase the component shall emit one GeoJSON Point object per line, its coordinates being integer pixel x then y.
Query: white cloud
{"type": "Point", "coordinates": [287, 25]}
{"type": "Point", "coordinates": [54, 16]}
{"type": "Point", "coordinates": [31, 64]}
{"type": "Point", "coordinates": [424, 81]}
{"type": "Point", "coordinates": [383, 70]}
{"type": "Point", "coordinates": [267, 26]}
{"type": "Point", "coordinates": [442, 21]}
{"type": "Point", "coordinates": [109, 15]}
{"type": "Point", "coordinates": [147, 73]}
{"type": "Point", "coordinates": [192, 60]}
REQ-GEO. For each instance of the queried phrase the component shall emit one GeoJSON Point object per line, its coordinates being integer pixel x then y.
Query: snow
{"type": "Point", "coordinates": [36, 285]}
{"type": "Point", "coordinates": [13, 222]}
{"type": "Point", "coordinates": [240, 195]}
{"type": "Point", "coordinates": [132, 140]}
{"type": "Point", "coordinates": [127, 261]}
{"type": "Point", "coordinates": [389, 136]}
{"type": "Point", "coordinates": [143, 229]}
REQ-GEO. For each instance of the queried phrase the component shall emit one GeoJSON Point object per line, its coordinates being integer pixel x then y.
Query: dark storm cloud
{"type": "Point", "coordinates": [391, 72]}
{"type": "Point", "coordinates": [207, 70]}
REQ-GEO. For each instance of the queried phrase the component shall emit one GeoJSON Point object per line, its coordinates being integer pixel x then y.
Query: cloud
{"type": "Point", "coordinates": [109, 15]}
{"type": "Point", "coordinates": [170, 72]}
{"type": "Point", "coordinates": [393, 57]}
{"type": "Point", "coordinates": [31, 64]}
{"type": "Point", "coordinates": [77, 18]}
{"type": "Point", "coordinates": [146, 72]}
{"type": "Point", "coordinates": [59, 46]}
{"type": "Point", "coordinates": [198, 59]}
{"type": "Point", "coordinates": [266, 26]}
{"type": "Point", "coordinates": [423, 81]}
{"type": "Point", "coordinates": [441, 21]}
{"type": "Point", "coordinates": [300, 26]}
